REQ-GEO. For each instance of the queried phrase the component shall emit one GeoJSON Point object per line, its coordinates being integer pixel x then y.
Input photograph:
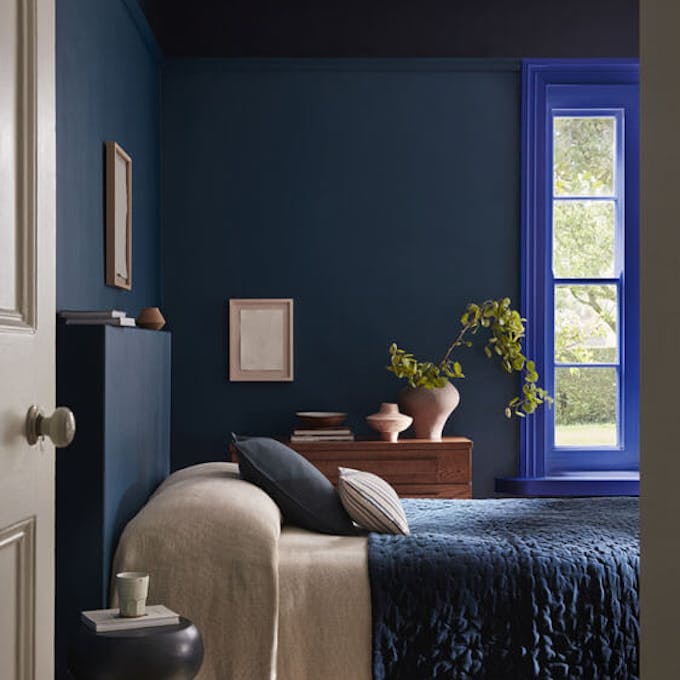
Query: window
{"type": "Point", "coordinates": [580, 276]}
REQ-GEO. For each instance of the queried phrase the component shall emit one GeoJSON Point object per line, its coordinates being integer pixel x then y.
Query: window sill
{"type": "Point", "coordinates": [619, 483]}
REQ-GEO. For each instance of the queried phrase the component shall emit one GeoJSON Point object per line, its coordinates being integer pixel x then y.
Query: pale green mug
{"type": "Point", "coordinates": [133, 588]}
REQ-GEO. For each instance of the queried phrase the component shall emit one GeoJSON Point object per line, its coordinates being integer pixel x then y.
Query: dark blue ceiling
{"type": "Point", "coordinates": [395, 28]}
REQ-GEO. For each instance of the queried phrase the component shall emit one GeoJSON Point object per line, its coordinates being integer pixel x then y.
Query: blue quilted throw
{"type": "Point", "coordinates": [508, 589]}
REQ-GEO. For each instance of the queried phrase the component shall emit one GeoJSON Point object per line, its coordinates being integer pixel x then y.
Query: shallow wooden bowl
{"type": "Point", "coordinates": [319, 419]}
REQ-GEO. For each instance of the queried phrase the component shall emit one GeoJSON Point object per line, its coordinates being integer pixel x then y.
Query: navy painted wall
{"type": "Point", "coordinates": [380, 195]}
{"type": "Point", "coordinates": [107, 88]}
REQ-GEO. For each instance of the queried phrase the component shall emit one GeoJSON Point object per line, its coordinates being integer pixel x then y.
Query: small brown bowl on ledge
{"type": "Point", "coordinates": [318, 419]}
{"type": "Point", "coordinates": [151, 319]}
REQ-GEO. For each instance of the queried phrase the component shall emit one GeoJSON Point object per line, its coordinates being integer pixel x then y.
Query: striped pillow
{"type": "Point", "coordinates": [371, 502]}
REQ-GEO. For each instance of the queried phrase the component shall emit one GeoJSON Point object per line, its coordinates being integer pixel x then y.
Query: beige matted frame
{"type": "Point", "coordinates": [242, 357]}
{"type": "Point", "coordinates": [118, 217]}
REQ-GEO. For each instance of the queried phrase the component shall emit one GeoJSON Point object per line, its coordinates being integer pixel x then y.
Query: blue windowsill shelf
{"type": "Point", "coordinates": [606, 483]}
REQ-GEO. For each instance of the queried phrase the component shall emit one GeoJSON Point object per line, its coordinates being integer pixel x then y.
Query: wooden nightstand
{"type": "Point", "coordinates": [416, 468]}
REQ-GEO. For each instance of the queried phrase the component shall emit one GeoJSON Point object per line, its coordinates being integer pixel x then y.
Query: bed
{"type": "Point", "coordinates": [480, 589]}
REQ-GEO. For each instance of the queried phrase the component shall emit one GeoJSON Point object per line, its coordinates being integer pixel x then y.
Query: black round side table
{"type": "Point", "coordinates": [161, 653]}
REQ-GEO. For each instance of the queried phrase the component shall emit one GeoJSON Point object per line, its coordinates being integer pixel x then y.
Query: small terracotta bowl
{"type": "Point", "coordinates": [151, 318]}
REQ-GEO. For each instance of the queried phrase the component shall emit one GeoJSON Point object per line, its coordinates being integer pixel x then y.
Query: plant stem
{"type": "Point", "coordinates": [456, 343]}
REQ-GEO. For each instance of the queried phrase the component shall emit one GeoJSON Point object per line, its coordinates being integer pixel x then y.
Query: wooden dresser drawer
{"type": "Point", "coordinates": [421, 469]}
{"type": "Point", "coordinates": [416, 468]}
{"type": "Point", "coordinates": [434, 490]}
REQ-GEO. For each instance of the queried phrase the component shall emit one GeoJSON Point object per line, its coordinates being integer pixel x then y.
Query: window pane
{"type": "Point", "coordinates": [583, 155]}
{"type": "Point", "coordinates": [585, 407]}
{"type": "Point", "coordinates": [583, 239]}
{"type": "Point", "coordinates": [585, 323]}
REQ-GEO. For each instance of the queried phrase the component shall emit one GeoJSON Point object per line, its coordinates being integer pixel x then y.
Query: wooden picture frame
{"type": "Point", "coordinates": [261, 340]}
{"type": "Point", "coordinates": [118, 217]}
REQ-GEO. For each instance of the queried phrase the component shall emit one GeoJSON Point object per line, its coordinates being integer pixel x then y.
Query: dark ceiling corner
{"type": "Point", "coordinates": [395, 28]}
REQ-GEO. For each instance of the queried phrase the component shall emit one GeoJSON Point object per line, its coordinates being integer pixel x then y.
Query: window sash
{"type": "Point", "coordinates": [556, 89]}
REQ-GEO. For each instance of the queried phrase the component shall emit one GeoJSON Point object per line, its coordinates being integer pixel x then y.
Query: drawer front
{"type": "Point", "coordinates": [419, 471]}
{"type": "Point", "coordinates": [434, 490]}
{"type": "Point", "coordinates": [452, 468]}
{"type": "Point", "coordinates": [394, 471]}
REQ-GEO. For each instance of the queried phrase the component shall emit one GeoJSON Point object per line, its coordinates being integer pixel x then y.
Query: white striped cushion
{"type": "Point", "coordinates": [371, 502]}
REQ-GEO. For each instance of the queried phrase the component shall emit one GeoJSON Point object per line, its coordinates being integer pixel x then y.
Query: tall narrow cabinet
{"type": "Point", "coordinates": [117, 383]}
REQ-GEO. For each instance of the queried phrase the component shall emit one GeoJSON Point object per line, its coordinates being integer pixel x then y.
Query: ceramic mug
{"type": "Point", "coordinates": [133, 587]}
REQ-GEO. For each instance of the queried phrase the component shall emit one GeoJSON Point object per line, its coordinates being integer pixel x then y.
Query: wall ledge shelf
{"type": "Point", "coordinates": [609, 483]}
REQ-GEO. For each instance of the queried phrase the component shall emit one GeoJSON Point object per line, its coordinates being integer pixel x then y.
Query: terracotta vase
{"type": "Point", "coordinates": [389, 422]}
{"type": "Point", "coordinates": [430, 408]}
{"type": "Point", "coordinates": [151, 318]}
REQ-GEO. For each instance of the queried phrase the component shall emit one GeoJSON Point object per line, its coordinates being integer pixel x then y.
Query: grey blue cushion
{"type": "Point", "coordinates": [371, 502]}
{"type": "Point", "coordinates": [305, 497]}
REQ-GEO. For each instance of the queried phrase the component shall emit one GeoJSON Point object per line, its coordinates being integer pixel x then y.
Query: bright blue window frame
{"type": "Point", "coordinates": [578, 88]}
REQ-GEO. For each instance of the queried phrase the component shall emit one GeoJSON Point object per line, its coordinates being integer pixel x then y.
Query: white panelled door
{"type": "Point", "coordinates": [27, 363]}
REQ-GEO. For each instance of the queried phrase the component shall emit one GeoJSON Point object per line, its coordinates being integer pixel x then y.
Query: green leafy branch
{"type": "Point", "coordinates": [505, 328]}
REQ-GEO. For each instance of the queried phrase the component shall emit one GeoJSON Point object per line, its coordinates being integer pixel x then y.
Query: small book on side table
{"type": "Point", "coordinates": [104, 620]}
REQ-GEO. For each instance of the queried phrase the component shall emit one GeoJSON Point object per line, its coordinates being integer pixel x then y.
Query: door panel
{"type": "Point", "coordinates": [9, 54]}
{"type": "Point", "coordinates": [18, 81]}
{"type": "Point", "coordinates": [27, 295]}
{"type": "Point", "coordinates": [17, 565]}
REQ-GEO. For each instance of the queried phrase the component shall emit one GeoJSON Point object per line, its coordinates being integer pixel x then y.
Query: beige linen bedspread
{"type": "Point", "coordinates": [270, 603]}
{"type": "Point", "coordinates": [324, 607]}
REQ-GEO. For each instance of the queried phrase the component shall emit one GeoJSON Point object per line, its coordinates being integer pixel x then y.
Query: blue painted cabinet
{"type": "Point", "coordinates": [117, 382]}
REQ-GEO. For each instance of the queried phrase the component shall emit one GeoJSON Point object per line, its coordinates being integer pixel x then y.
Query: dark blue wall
{"type": "Point", "coordinates": [380, 195]}
{"type": "Point", "coordinates": [107, 88]}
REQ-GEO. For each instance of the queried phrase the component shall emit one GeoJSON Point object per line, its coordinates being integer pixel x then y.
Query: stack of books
{"type": "Point", "coordinates": [106, 317]}
{"type": "Point", "coordinates": [103, 620]}
{"type": "Point", "coordinates": [322, 434]}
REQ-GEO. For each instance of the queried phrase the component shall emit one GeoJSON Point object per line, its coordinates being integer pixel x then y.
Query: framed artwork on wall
{"type": "Point", "coordinates": [118, 217]}
{"type": "Point", "coordinates": [261, 340]}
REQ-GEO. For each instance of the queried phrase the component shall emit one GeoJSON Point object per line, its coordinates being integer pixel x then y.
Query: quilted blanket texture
{"type": "Point", "coordinates": [508, 589]}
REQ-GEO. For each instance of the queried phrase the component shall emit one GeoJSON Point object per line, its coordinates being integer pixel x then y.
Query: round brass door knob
{"type": "Point", "coordinates": [60, 427]}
